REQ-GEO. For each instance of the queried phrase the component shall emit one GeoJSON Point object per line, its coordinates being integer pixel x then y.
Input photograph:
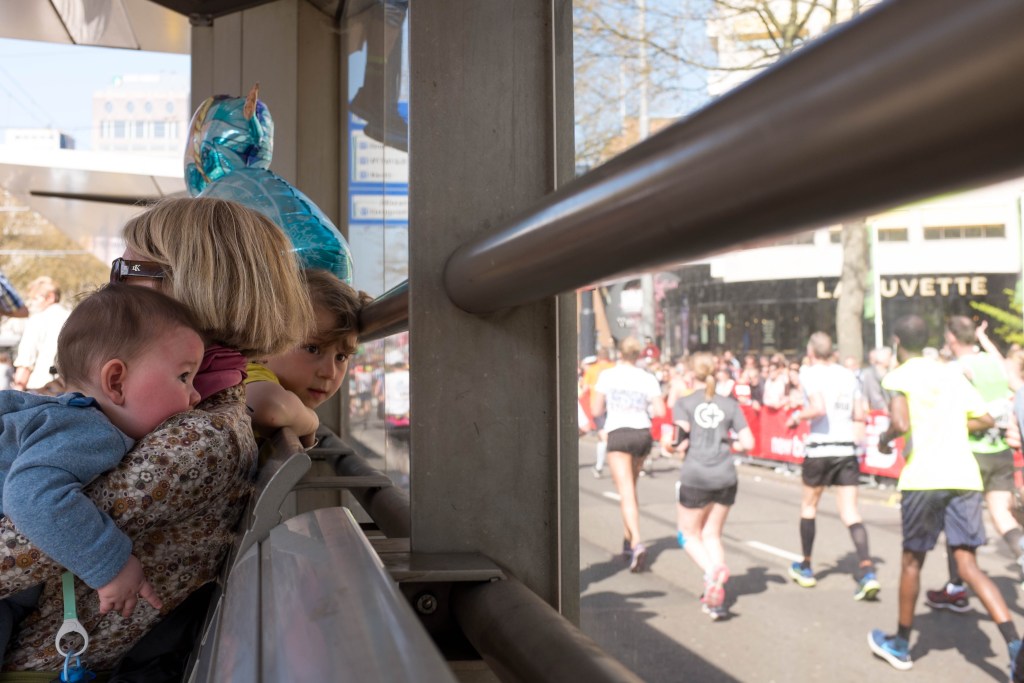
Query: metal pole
{"type": "Point", "coordinates": [388, 314]}
{"type": "Point", "coordinates": [588, 330]}
{"type": "Point", "coordinates": [876, 286]}
{"type": "Point", "coordinates": [523, 639]}
{"type": "Point", "coordinates": [878, 112]}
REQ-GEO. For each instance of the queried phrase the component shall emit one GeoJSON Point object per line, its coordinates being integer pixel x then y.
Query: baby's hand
{"type": "Point", "coordinates": [124, 591]}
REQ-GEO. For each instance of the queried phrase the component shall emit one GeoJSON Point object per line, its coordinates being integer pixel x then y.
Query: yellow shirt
{"type": "Point", "coordinates": [941, 400]}
{"type": "Point", "coordinates": [257, 372]}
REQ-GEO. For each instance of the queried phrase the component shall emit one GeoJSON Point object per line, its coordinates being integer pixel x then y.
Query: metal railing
{"type": "Point", "coordinates": [388, 314]}
{"type": "Point", "coordinates": [914, 98]}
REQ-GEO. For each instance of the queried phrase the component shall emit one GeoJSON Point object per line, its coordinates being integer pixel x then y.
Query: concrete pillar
{"type": "Point", "coordinates": [494, 444]}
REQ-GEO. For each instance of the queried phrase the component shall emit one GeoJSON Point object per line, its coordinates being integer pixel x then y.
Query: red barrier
{"type": "Point", "coordinates": [773, 440]}
{"type": "Point", "coordinates": [658, 422]}
{"type": "Point", "coordinates": [753, 417]}
{"type": "Point", "coordinates": [779, 442]}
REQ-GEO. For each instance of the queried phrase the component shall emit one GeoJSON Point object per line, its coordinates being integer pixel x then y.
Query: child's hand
{"type": "Point", "coordinates": [124, 591]}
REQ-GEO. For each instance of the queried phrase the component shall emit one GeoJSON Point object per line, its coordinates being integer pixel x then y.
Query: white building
{"type": "Point", "coordinates": [145, 113]}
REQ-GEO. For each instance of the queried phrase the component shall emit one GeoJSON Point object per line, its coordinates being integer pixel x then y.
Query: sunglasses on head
{"type": "Point", "coordinates": [122, 269]}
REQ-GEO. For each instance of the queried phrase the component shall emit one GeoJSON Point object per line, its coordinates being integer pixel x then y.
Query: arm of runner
{"type": "Point", "coordinates": [596, 403]}
{"type": "Point", "coordinates": [985, 343]}
{"type": "Point", "coordinates": [745, 439]}
{"type": "Point", "coordinates": [899, 422]}
{"type": "Point", "coordinates": [658, 406]}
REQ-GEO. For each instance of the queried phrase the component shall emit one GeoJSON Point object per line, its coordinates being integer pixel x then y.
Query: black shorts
{"type": "Point", "coordinates": [636, 442]}
{"type": "Point", "coordinates": [696, 499]}
{"type": "Point", "coordinates": [832, 470]}
{"type": "Point", "coordinates": [926, 513]}
{"type": "Point", "coordinates": [996, 470]}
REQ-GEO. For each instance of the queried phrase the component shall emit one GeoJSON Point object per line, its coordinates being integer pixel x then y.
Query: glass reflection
{"type": "Point", "coordinates": [378, 188]}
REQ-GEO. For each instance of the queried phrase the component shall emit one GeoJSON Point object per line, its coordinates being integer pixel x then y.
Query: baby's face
{"type": "Point", "coordinates": [315, 369]}
{"type": "Point", "coordinates": [158, 383]}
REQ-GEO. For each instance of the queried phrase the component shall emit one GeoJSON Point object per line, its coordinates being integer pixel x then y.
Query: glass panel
{"type": "Point", "coordinates": [376, 70]}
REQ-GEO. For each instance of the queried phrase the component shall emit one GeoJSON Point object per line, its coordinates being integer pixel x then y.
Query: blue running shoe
{"type": "Point", "coordinates": [867, 587]}
{"type": "Point", "coordinates": [1016, 662]}
{"type": "Point", "coordinates": [681, 539]}
{"type": "Point", "coordinates": [802, 575]}
{"type": "Point", "coordinates": [892, 649]}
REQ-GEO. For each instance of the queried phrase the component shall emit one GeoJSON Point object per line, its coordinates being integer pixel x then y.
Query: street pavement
{"type": "Point", "coordinates": [777, 631]}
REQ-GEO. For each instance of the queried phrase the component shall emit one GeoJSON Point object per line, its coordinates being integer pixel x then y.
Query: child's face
{"type": "Point", "coordinates": [314, 370]}
{"type": "Point", "coordinates": [158, 383]}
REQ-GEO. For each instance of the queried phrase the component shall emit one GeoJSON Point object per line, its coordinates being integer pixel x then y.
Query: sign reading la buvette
{"type": "Point", "coordinates": [925, 286]}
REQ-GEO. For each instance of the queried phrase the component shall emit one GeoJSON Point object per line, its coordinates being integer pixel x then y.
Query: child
{"type": "Point", "coordinates": [128, 356]}
{"type": "Point", "coordinates": [284, 390]}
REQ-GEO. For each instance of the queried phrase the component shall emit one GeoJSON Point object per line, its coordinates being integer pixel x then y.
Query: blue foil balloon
{"type": "Point", "coordinates": [314, 238]}
{"type": "Point", "coordinates": [230, 145]}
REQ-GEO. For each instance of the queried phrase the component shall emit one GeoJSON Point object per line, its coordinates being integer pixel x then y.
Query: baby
{"type": "Point", "coordinates": [127, 356]}
{"type": "Point", "coordinates": [284, 390]}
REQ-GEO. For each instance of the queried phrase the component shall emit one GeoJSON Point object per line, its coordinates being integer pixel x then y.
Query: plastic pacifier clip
{"type": "Point", "coordinates": [71, 623]}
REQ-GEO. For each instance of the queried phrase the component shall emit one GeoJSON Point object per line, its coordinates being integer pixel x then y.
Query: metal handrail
{"type": "Point", "coordinates": [913, 98]}
{"type": "Point", "coordinates": [520, 636]}
{"type": "Point", "coordinates": [386, 315]}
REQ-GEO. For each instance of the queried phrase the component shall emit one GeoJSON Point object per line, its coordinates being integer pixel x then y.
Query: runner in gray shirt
{"type": "Point", "coordinates": [707, 486]}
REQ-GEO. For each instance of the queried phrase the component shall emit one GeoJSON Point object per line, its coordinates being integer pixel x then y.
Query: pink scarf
{"type": "Point", "coordinates": [221, 368]}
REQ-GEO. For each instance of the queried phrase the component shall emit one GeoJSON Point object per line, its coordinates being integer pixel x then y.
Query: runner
{"type": "Point", "coordinates": [941, 483]}
{"type": "Point", "coordinates": [995, 457]}
{"type": "Point", "coordinates": [628, 392]}
{"type": "Point", "coordinates": [834, 407]}
{"type": "Point", "coordinates": [707, 481]}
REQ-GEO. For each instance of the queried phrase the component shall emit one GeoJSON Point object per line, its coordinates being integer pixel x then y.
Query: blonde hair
{"type": "Point", "coordinates": [704, 368]}
{"type": "Point", "coordinates": [340, 301]}
{"type": "Point", "coordinates": [630, 349]}
{"type": "Point", "coordinates": [232, 267]}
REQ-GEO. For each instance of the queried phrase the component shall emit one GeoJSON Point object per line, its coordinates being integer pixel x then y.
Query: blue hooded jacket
{"type": "Point", "coordinates": [50, 448]}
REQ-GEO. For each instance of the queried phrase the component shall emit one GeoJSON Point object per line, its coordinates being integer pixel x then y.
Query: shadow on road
{"type": "Point", "coordinates": [620, 563]}
{"type": "Point", "coordinates": [934, 633]}
{"type": "Point", "coordinates": [619, 624]}
{"type": "Point", "coordinates": [755, 580]}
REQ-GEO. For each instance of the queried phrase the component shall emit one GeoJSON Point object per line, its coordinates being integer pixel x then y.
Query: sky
{"type": "Point", "coordinates": [51, 85]}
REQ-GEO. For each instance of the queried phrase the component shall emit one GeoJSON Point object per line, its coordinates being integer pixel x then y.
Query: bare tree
{"type": "Point", "coordinates": [725, 40]}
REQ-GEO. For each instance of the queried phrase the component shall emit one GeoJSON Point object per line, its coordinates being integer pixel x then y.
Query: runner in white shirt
{"type": "Point", "coordinates": [628, 394]}
{"type": "Point", "coordinates": [834, 406]}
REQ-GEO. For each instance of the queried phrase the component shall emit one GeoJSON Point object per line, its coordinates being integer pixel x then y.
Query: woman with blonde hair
{"type": "Point", "coordinates": [179, 493]}
{"type": "Point", "coordinates": [707, 480]}
{"type": "Point", "coordinates": [629, 395]}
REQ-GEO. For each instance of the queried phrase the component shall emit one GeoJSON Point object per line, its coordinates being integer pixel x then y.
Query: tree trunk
{"type": "Point", "coordinates": [853, 283]}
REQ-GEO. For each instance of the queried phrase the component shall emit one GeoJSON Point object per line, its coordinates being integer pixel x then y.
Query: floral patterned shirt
{"type": "Point", "coordinates": [178, 494]}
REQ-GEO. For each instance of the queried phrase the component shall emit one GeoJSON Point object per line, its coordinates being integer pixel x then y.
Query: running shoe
{"type": "Point", "coordinates": [1016, 661]}
{"type": "Point", "coordinates": [802, 575]}
{"type": "Point", "coordinates": [714, 586]}
{"type": "Point", "coordinates": [598, 473]}
{"type": "Point", "coordinates": [627, 549]}
{"type": "Point", "coordinates": [638, 557]}
{"type": "Point", "coordinates": [681, 539]}
{"type": "Point", "coordinates": [892, 649]}
{"type": "Point", "coordinates": [716, 613]}
{"type": "Point", "coordinates": [867, 587]}
{"type": "Point", "coordinates": [955, 601]}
